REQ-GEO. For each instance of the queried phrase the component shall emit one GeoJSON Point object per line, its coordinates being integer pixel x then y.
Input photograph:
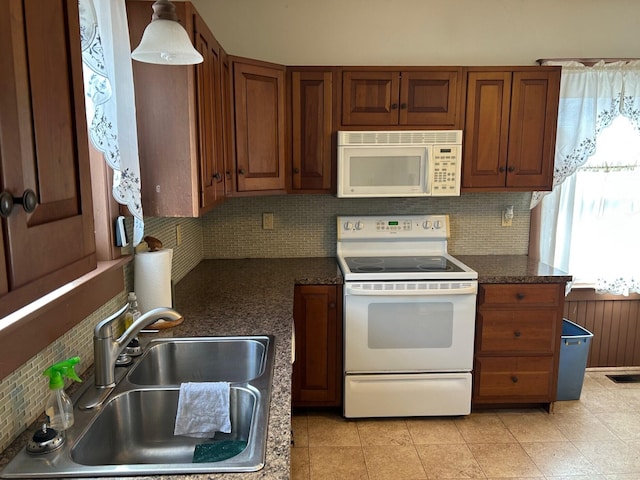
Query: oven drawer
{"type": "Point", "coordinates": [407, 395]}
{"type": "Point", "coordinates": [517, 331]}
{"type": "Point", "coordinates": [520, 294]}
{"type": "Point", "coordinates": [512, 378]}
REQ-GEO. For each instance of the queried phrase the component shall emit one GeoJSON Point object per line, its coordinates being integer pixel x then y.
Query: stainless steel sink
{"type": "Point", "coordinates": [174, 361]}
{"type": "Point", "coordinates": [137, 427]}
{"type": "Point", "coordinates": [131, 433]}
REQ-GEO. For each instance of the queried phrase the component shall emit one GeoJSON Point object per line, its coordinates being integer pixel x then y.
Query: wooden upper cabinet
{"type": "Point", "coordinates": [415, 97]}
{"type": "Point", "coordinates": [311, 123]}
{"type": "Point", "coordinates": [44, 148]}
{"type": "Point", "coordinates": [259, 99]}
{"type": "Point", "coordinates": [510, 128]}
{"type": "Point", "coordinates": [179, 111]}
{"type": "Point", "coordinates": [209, 105]}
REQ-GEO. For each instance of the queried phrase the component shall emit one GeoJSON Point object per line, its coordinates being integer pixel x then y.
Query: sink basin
{"type": "Point", "coordinates": [207, 359]}
{"type": "Point", "coordinates": [130, 431]}
{"type": "Point", "coordinates": [136, 427]}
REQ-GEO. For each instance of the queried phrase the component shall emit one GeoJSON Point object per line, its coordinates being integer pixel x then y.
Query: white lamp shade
{"type": "Point", "coordinates": [166, 42]}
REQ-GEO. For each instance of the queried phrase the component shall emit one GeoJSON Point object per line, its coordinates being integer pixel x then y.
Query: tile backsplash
{"type": "Point", "coordinates": [305, 225]}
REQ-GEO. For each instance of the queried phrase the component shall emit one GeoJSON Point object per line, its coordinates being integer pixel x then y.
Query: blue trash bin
{"type": "Point", "coordinates": [574, 351]}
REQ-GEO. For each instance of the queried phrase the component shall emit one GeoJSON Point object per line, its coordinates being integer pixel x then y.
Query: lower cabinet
{"type": "Point", "coordinates": [517, 347]}
{"type": "Point", "coordinates": [317, 370]}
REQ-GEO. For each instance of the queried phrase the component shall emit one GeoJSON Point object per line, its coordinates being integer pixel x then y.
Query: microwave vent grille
{"type": "Point", "coordinates": [416, 137]}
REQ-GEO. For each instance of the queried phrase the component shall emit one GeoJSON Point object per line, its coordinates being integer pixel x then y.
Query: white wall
{"type": "Point", "coordinates": [423, 32]}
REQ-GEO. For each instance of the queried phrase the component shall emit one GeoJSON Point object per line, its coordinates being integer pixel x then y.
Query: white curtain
{"type": "Point", "coordinates": [108, 79]}
{"type": "Point", "coordinates": [596, 235]}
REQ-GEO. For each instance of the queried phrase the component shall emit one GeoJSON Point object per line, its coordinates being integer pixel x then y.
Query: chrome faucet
{"type": "Point", "coordinates": [106, 349]}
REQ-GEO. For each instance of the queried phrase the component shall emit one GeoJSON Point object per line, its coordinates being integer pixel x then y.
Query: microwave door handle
{"type": "Point", "coordinates": [467, 288]}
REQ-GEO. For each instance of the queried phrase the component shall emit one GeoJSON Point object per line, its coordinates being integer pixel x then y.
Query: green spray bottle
{"type": "Point", "coordinates": [59, 408]}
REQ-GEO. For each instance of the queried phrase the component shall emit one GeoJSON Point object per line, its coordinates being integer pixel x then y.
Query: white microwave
{"type": "Point", "coordinates": [420, 163]}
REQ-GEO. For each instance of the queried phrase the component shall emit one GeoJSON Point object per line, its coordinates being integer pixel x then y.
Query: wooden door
{"type": "Point", "coordinates": [311, 129]}
{"type": "Point", "coordinates": [209, 106]}
{"type": "Point", "coordinates": [44, 146]}
{"type": "Point", "coordinates": [430, 98]}
{"type": "Point", "coordinates": [260, 126]}
{"type": "Point", "coordinates": [532, 129]}
{"type": "Point", "coordinates": [317, 371]}
{"type": "Point", "coordinates": [486, 129]}
{"type": "Point", "coordinates": [370, 98]}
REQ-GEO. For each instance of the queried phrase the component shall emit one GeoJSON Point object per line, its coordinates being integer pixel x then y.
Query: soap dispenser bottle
{"type": "Point", "coordinates": [132, 314]}
{"type": "Point", "coordinates": [59, 409]}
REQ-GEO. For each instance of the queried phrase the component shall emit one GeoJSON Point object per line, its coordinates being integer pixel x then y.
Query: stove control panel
{"type": "Point", "coordinates": [399, 226]}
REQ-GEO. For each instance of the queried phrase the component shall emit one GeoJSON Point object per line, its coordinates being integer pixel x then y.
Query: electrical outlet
{"type": "Point", "coordinates": [178, 235]}
{"type": "Point", "coordinates": [507, 217]}
{"type": "Point", "coordinates": [267, 221]}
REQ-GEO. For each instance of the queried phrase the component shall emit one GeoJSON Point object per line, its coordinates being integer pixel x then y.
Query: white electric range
{"type": "Point", "coordinates": [409, 317]}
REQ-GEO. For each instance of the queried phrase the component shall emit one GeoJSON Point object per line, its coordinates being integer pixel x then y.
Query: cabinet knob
{"type": "Point", "coordinates": [394, 106]}
{"type": "Point", "coordinates": [512, 169]}
{"type": "Point", "coordinates": [241, 171]}
{"type": "Point", "coordinates": [217, 176]}
{"type": "Point", "coordinates": [520, 296]}
{"type": "Point", "coordinates": [296, 170]}
{"type": "Point", "coordinates": [501, 169]}
{"type": "Point", "coordinates": [228, 174]}
{"type": "Point", "coordinates": [403, 106]}
{"type": "Point", "coordinates": [29, 201]}
{"type": "Point", "coordinates": [517, 334]}
{"type": "Point", "coordinates": [332, 305]}
{"type": "Point", "coordinates": [514, 379]}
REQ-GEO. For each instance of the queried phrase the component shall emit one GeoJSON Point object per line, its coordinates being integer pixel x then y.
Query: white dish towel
{"type": "Point", "coordinates": [203, 409]}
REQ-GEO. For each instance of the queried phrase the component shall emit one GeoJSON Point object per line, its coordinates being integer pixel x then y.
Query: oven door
{"type": "Point", "coordinates": [409, 327]}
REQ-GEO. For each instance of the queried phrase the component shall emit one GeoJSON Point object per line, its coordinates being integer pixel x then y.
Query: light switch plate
{"type": "Point", "coordinates": [267, 221]}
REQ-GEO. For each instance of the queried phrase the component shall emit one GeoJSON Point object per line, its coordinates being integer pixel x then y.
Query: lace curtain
{"type": "Point", "coordinates": [109, 96]}
{"type": "Point", "coordinates": [591, 98]}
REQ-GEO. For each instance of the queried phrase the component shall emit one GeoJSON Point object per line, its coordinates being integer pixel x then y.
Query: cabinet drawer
{"type": "Point", "coordinates": [514, 378]}
{"type": "Point", "coordinates": [549, 294]}
{"type": "Point", "coordinates": [517, 331]}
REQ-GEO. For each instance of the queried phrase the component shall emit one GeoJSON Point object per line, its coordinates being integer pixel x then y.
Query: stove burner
{"type": "Point", "coordinates": [399, 264]}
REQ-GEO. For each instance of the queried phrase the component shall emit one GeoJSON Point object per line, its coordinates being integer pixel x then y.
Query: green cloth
{"type": "Point", "coordinates": [218, 451]}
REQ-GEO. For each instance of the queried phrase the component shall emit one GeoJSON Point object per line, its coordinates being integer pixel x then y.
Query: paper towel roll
{"type": "Point", "coordinates": [152, 279]}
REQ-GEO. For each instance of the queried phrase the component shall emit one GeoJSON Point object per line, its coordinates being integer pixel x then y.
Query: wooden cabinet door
{"type": "Point", "coordinates": [260, 126]}
{"type": "Point", "coordinates": [312, 150]}
{"type": "Point", "coordinates": [532, 129]}
{"type": "Point", "coordinates": [370, 98]}
{"type": "Point", "coordinates": [228, 134]}
{"type": "Point", "coordinates": [430, 98]}
{"type": "Point", "coordinates": [486, 129]}
{"type": "Point", "coordinates": [317, 370]}
{"type": "Point", "coordinates": [44, 147]}
{"type": "Point", "coordinates": [510, 128]}
{"type": "Point", "coordinates": [209, 108]}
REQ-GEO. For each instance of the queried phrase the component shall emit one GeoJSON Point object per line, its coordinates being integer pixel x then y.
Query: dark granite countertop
{"type": "Point", "coordinates": [243, 297]}
{"type": "Point", "coordinates": [513, 269]}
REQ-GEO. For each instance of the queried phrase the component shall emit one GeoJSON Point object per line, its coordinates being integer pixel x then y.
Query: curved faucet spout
{"type": "Point", "coordinates": [106, 349]}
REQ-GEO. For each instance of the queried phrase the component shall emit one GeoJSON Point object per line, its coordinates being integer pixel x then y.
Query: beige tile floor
{"type": "Point", "coordinates": [594, 438]}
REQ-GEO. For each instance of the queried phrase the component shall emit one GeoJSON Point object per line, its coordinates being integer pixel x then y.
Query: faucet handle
{"type": "Point", "coordinates": [103, 329]}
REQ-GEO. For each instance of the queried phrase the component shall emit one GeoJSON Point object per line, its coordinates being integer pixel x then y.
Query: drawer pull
{"type": "Point", "coordinates": [520, 296]}
{"type": "Point", "coordinates": [514, 379]}
{"type": "Point", "coordinates": [517, 334]}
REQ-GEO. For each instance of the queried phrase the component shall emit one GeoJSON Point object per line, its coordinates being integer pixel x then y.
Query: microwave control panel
{"type": "Point", "coordinates": [447, 167]}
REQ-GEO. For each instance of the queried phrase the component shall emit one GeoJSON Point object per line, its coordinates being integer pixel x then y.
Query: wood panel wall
{"type": "Point", "coordinates": [614, 322]}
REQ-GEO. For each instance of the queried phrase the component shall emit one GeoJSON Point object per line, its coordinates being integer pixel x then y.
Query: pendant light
{"type": "Point", "coordinates": [165, 41]}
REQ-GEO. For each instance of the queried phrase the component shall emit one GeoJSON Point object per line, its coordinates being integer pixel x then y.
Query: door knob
{"type": "Point", "coordinates": [29, 201]}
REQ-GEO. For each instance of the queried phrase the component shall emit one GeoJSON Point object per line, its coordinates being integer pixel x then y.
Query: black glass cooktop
{"type": "Point", "coordinates": [401, 264]}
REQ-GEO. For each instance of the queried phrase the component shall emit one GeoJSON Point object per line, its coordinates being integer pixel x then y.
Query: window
{"type": "Point", "coordinates": [590, 222]}
{"type": "Point", "coordinates": [603, 221]}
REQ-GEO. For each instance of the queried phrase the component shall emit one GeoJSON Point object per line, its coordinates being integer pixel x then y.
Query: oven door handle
{"type": "Point", "coordinates": [465, 288]}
